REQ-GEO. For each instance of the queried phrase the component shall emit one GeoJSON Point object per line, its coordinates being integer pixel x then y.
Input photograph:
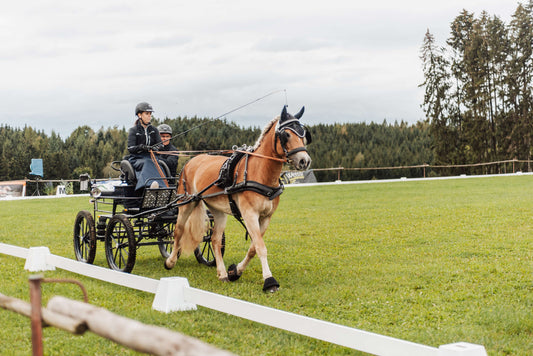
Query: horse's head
{"type": "Point", "coordinates": [293, 137]}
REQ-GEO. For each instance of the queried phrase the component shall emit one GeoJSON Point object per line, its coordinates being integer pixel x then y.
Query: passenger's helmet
{"type": "Point", "coordinates": [164, 128]}
{"type": "Point", "coordinates": [142, 107]}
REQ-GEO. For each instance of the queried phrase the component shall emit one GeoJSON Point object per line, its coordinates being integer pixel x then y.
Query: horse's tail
{"type": "Point", "coordinates": [195, 229]}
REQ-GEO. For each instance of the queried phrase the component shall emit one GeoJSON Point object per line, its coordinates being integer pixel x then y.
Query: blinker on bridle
{"type": "Point", "coordinates": [299, 130]}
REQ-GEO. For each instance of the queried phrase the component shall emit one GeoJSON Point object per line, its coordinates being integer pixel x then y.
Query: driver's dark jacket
{"type": "Point", "coordinates": [139, 139]}
{"type": "Point", "coordinates": [138, 136]}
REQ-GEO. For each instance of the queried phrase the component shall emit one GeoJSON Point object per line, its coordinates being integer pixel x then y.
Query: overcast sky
{"type": "Point", "coordinates": [64, 64]}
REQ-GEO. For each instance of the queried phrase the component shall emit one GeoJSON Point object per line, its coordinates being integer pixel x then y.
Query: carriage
{"type": "Point", "coordinates": [125, 219]}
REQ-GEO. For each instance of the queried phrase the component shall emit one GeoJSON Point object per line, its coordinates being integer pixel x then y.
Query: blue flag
{"type": "Point", "coordinates": [36, 167]}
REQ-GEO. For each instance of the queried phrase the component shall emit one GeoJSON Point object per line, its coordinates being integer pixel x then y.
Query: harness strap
{"type": "Point", "coordinates": [298, 149]}
{"type": "Point", "coordinates": [168, 153]}
{"type": "Point", "coordinates": [267, 191]}
{"type": "Point", "coordinates": [237, 214]}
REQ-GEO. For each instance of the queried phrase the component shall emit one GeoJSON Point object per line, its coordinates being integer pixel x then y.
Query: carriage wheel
{"type": "Point", "coordinates": [84, 237]}
{"type": "Point", "coordinates": [166, 242]}
{"type": "Point", "coordinates": [204, 252]}
{"type": "Point", "coordinates": [120, 244]}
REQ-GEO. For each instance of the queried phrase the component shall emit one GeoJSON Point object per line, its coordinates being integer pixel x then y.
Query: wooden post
{"type": "Point", "coordinates": [36, 326]}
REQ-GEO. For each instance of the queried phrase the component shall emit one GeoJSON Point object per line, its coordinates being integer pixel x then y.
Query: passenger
{"type": "Point", "coordinates": [170, 159]}
{"type": "Point", "coordinates": [142, 138]}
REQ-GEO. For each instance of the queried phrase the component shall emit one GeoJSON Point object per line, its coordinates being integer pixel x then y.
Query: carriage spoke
{"type": "Point", "coordinates": [203, 250]}
{"type": "Point", "coordinates": [83, 247]}
{"type": "Point", "coordinates": [85, 240]}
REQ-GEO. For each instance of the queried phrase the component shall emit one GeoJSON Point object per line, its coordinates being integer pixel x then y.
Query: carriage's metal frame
{"type": "Point", "coordinates": [125, 221]}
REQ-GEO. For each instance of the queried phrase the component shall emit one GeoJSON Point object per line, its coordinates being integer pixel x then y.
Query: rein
{"type": "Point", "coordinates": [284, 160]}
{"type": "Point", "coordinates": [263, 156]}
{"type": "Point", "coordinates": [159, 170]}
{"type": "Point", "coordinates": [231, 111]}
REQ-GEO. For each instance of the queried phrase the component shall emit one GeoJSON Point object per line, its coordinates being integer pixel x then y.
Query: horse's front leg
{"type": "Point", "coordinates": [257, 230]}
{"type": "Point", "coordinates": [270, 283]}
{"type": "Point", "coordinates": [244, 263]}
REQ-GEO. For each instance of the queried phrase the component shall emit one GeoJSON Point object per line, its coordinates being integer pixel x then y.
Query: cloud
{"type": "Point", "coordinates": [176, 40]}
{"type": "Point", "coordinates": [288, 44]}
{"type": "Point", "coordinates": [64, 63]}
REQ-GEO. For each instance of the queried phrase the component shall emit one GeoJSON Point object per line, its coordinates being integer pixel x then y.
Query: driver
{"type": "Point", "coordinates": [142, 138]}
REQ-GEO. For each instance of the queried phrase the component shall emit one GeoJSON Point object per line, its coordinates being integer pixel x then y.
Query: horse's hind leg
{"type": "Point", "coordinates": [183, 214]}
{"type": "Point", "coordinates": [219, 226]}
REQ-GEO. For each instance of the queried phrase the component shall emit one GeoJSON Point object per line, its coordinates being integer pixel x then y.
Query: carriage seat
{"type": "Point", "coordinates": [128, 173]}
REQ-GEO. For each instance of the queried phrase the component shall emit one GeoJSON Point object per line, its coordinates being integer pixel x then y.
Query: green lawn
{"type": "Point", "coordinates": [433, 262]}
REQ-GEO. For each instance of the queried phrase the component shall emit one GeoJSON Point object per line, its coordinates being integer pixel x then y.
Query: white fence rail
{"type": "Point", "coordinates": [174, 294]}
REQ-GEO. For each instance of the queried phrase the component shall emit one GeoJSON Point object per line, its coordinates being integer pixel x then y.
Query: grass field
{"type": "Point", "coordinates": [433, 262]}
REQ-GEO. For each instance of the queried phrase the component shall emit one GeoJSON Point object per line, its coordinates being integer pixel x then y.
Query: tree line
{"type": "Point", "coordinates": [478, 98]}
{"type": "Point", "coordinates": [334, 145]}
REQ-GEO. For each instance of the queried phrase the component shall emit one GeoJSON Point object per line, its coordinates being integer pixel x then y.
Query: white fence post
{"type": "Point", "coordinates": [170, 295]}
{"type": "Point", "coordinates": [36, 260]}
{"type": "Point", "coordinates": [462, 349]}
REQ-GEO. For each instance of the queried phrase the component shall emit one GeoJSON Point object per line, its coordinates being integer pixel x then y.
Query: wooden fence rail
{"type": "Point", "coordinates": [49, 318]}
{"type": "Point", "coordinates": [77, 317]}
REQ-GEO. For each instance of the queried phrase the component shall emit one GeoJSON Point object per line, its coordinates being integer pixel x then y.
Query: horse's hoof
{"type": "Point", "coordinates": [271, 285]}
{"type": "Point", "coordinates": [225, 279]}
{"type": "Point", "coordinates": [232, 273]}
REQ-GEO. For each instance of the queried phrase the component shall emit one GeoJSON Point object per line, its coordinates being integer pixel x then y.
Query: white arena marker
{"type": "Point", "coordinates": [36, 260]}
{"type": "Point", "coordinates": [462, 349]}
{"type": "Point", "coordinates": [170, 297]}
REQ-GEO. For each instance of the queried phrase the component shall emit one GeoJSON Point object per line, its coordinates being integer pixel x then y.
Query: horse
{"type": "Point", "coordinates": [253, 195]}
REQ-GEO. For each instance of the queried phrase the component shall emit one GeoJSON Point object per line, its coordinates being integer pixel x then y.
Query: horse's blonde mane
{"type": "Point", "coordinates": [265, 131]}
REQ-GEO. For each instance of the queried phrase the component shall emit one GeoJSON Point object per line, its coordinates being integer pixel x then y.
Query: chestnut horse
{"type": "Point", "coordinates": [254, 194]}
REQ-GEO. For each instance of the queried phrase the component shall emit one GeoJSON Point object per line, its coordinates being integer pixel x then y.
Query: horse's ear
{"type": "Point", "coordinates": [300, 113]}
{"type": "Point", "coordinates": [283, 116]}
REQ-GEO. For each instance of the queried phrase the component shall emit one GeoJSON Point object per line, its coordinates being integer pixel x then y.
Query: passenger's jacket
{"type": "Point", "coordinates": [170, 160]}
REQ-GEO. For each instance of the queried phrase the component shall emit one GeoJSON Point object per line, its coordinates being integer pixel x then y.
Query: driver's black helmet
{"type": "Point", "coordinates": [142, 107]}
